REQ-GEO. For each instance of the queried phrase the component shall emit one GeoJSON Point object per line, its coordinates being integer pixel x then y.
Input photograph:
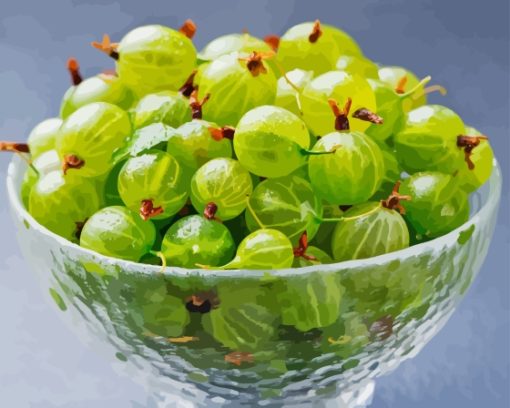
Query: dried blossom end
{"type": "Point", "coordinates": [273, 41]}
{"type": "Point", "coordinates": [218, 134]}
{"type": "Point", "coordinates": [147, 210]}
{"type": "Point", "coordinates": [401, 85]}
{"type": "Point", "coordinates": [316, 32]}
{"type": "Point", "coordinates": [74, 70]}
{"type": "Point", "coordinates": [341, 115]}
{"type": "Point", "coordinates": [254, 62]}
{"type": "Point", "coordinates": [394, 199]}
{"type": "Point", "coordinates": [196, 105]}
{"type": "Point", "coordinates": [368, 116]}
{"type": "Point", "coordinates": [71, 161]}
{"type": "Point", "coordinates": [107, 47]}
{"type": "Point", "coordinates": [300, 251]}
{"type": "Point", "coordinates": [188, 87]}
{"type": "Point", "coordinates": [189, 28]}
{"type": "Point", "coordinates": [469, 143]}
{"type": "Point", "coordinates": [210, 211]}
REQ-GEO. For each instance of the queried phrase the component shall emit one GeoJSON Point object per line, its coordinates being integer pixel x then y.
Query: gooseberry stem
{"type": "Point", "coordinates": [420, 84]}
{"type": "Point", "coordinates": [233, 264]}
{"type": "Point", "coordinates": [189, 28]}
{"type": "Point", "coordinates": [203, 266]}
{"type": "Point", "coordinates": [161, 256]}
{"type": "Point", "coordinates": [29, 163]}
{"type": "Point", "coordinates": [425, 91]}
{"type": "Point", "coordinates": [433, 88]}
{"type": "Point", "coordinates": [355, 217]}
{"type": "Point", "coordinates": [14, 147]}
{"type": "Point", "coordinates": [349, 218]}
{"type": "Point", "coordinates": [307, 152]}
{"type": "Point", "coordinates": [334, 219]}
{"type": "Point", "coordinates": [283, 73]}
{"type": "Point", "coordinates": [19, 149]}
{"type": "Point", "coordinates": [182, 339]}
{"type": "Point", "coordinates": [74, 70]}
{"type": "Point", "coordinates": [393, 201]}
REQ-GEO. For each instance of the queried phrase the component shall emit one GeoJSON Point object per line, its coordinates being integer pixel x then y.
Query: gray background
{"type": "Point", "coordinates": [463, 44]}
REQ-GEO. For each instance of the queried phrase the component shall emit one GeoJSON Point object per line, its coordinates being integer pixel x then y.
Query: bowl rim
{"type": "Point", "coordinates": [493, 193]}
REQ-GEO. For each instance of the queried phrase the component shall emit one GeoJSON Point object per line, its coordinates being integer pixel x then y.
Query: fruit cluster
{"type": "Point", "coordinates": [238, 156]}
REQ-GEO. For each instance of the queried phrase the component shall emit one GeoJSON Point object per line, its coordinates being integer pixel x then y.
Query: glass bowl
{"type": "Point", "coordinates": [312, 336]}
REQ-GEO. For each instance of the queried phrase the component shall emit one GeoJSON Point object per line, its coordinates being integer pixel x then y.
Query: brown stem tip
{"type": "Point", "coordinates": [300, 251]}
{"type": "Point", "coordinates": [401, 85]}
{"type": "Point", "coordinates": [254, 62]}
{"type": "Point", "coordinates": [316, 32]}
{"type": "Point", "coordinates": [368, 116]}
{"type": "Point", "coordinates": [71, 161]}
{"type": "Point", "coordinates": [273, 41]}
{"type": "Point", "coordinates": [341, 119]}
{"type": "Point", "coordinates": [393, 201]}
{"type": "Point", "coordinates": [189, 28]}
{"type": "Point", "coordinates": [468, 143]}
{"type": "Point", "coordinates": [14, 147]}
{"type": "Point", "coordinates": [74, 70]}
{"type": "Point", "coordinates": [239, 357]}
{"type": "Point", "coordinates": [107, 47]}
{"type": "Point", "coordinates": [225, 132]}
{"type": "Point", "coordinates": [196, 105]}
{"type": "Point", "coordinates": [147, 210]}
{"type": "Point", "coordinates": [188, 87]}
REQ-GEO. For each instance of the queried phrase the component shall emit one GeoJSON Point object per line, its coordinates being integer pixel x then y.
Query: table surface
{"type": "Point", "coordinates": [462, 45]}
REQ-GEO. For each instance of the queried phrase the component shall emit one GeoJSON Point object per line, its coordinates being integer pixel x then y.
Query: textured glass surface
{"type": "Point", "coordinates": [301, 335]}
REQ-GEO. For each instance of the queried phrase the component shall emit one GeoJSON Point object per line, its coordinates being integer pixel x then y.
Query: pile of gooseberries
{"type": "Point", "coordinates": [252, 154]}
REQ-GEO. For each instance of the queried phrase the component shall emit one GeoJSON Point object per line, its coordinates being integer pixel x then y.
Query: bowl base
{"type": "Point", "coordinates": [359, 396]}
